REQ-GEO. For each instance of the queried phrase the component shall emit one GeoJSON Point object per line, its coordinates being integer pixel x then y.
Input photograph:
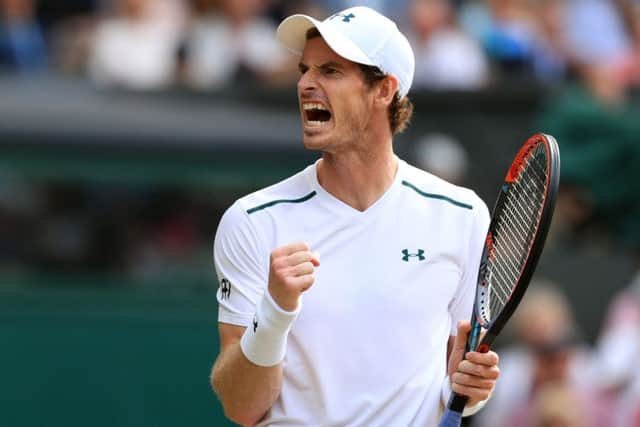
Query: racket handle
{"type": "Point", "coordinates": [453, 415]}
{"type": "Point", "coordinates": [451, 418]}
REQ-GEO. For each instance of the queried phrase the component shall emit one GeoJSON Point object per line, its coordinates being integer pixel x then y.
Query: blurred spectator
{"type": "Point", "coordinates": [71, 43]}
{"type": "Point", "coordinates": [22, 44]}
{"type": "Point", "coordinates": [596, 126]}
{"type": "Point", "coordinates": [510, 35]}
{"type": "Point", "coordinates": [546, 351]}
{"type": "Point", "coordinates": [596, 32]}
{"type": "Point", "coordinates": [446, 57]}
{"type": "Point", "coordinates": [551, 59]}
{"type": "Point", "coordinates": [630, 68]}
{"type": "Point", "coordinates": [394, 9]}
{"type": "Point", "coordinates": [617, 351]}
{"type": "Point", "coordinates": [278, 10]}
{"type": "Point", "coordinates": [135, 49]}
{"type": "Point", "coordinates": [442, 155]}
{"type": "Point", "coordinates": [555, 405]}
{"type": "Point", "coordinates": [523, 38]}
{"type": "Point", "coordinates": [233, 42]}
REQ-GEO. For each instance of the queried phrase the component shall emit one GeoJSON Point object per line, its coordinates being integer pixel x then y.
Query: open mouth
{"type": "Point", "coordinates": [315, 114]}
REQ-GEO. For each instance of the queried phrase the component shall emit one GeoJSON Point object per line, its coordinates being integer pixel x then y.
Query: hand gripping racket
{"type": "Point", "coordinates": [516, 235]}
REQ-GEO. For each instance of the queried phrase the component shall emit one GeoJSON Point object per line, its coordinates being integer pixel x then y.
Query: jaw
{"type": "Point", "coordinates": [316, 137]}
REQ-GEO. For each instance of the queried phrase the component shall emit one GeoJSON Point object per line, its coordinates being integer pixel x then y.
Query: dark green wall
{"type": "Point", "coordinates": [111, 358]}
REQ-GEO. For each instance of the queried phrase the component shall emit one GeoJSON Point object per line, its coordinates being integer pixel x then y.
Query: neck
{"type": "Point", "coordinates": [358, 178]}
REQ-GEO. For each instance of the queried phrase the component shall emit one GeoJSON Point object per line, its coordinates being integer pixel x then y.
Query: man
{"type": "Point", "coordinates": [22, 44]}
{"type": "Point", "coordinates": [362, 337]}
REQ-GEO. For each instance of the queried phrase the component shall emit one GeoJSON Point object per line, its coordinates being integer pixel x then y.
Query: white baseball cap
{"type": "Point", "coordinates": [359, 34]}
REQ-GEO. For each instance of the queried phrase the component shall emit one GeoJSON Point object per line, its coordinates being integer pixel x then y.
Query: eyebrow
{"type": "Point", "coordinates": [331, 64]}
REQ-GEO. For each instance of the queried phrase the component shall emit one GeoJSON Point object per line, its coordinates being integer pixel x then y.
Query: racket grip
{"type": "Point", "coordinates": [453, 415]}
{"type": "Point", "coordinates": [457, 402]}
{"type": "Point", "coordinates": [451, 418]}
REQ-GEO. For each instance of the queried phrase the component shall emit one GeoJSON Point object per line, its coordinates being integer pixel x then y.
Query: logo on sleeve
{"type": "Point", "coordinates": [225, 289]}
{"type": "Point", "coordinates": [413, 256]}
{"type": "Point", "coordinates": [255, 323]}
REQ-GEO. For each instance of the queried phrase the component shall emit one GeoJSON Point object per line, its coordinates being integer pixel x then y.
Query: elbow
{"type": "Point", "coordinates": [239, 414]}
{"type": "Point", "coordinates": [240, 417]}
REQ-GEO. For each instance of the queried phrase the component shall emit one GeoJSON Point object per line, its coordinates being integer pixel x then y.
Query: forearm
{"type": "Point", "coordinates": [246, 390]}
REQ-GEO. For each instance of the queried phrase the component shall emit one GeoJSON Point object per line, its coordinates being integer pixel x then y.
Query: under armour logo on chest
{"type": "Point", "coordinates": [417, 256]}
{"type": "Point", "coordinates": [345, 18]}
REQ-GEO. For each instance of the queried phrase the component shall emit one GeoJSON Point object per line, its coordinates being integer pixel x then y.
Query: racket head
{"type": "Point", "coordinates": [515, 241]}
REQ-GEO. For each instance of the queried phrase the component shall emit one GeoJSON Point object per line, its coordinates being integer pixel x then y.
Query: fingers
{"type": "Point", "coordinates": [302, 269]}
{"type": "Point", "coordinates": [302, 257]}
{"type": "Point", "coordinates": [291, 272]}
{"type": "Point", "coordinates": [489, 358]}
{"type": "Point", "coordinates": [476, 376]}
{"type": "Point", "coordinates": [475, 394]}
{"type": "Point", "coordinates": [490, 372]}
{"type": "Point", "coordinates": [457, 346]}
{"type": "Point", "coordinates": [464, 327]}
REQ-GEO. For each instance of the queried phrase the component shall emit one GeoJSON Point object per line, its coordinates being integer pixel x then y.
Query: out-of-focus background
{"type": "Point", "coordinates": [127, 127]}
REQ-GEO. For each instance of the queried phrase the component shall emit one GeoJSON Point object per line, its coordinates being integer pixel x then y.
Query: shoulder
{"type": "Point", "coordinates": [429, 186]}
{"type": "Point", "coordinates": [293, 190]}
{"type": "Point", "coordinates": [245, 222]}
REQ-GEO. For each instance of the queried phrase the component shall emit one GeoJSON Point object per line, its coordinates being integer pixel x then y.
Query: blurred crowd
{"type": "Point", "coordinates": [551, 376]}
{"type": "Point", "coordinates": [207, 44]}
{"type": "Point", "coordinates": [122, 235]}
{"type": "Point", "coordinates": [590, 49]}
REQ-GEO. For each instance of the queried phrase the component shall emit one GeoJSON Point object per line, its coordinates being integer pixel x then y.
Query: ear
{"type": "Point", "coordinates": [387, 89]}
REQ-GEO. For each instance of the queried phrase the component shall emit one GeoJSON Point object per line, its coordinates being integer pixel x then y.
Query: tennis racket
{"type": "Point", "coordinates": [517, 231]}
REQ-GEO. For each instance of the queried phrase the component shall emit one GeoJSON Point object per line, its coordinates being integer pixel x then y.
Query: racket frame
{"type": "Point", "coordinates": [457, 402]}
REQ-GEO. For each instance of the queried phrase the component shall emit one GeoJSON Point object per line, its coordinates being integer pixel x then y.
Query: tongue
{"type": "Point", "coordinates": [318, 115]}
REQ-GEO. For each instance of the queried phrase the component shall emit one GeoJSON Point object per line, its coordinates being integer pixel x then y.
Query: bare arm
{"type": "Point", "coordinates": [246, 391]}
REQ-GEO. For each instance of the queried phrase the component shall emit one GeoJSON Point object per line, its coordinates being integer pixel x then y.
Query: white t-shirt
{"type": "Point", "coordinates": [369, 345]}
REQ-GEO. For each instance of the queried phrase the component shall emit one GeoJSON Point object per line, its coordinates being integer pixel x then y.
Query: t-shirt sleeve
{"type": "Point", "coordinates": [241, 266]}
{"type": "Point", "coordinates": [462, 304]}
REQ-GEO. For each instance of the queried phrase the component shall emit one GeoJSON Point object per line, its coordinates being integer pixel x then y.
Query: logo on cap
{"type": "Point", "coordinates": [345, 18]}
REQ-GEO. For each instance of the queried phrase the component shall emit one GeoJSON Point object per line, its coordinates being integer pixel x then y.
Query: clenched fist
{"type": "Point", "coordinates": [291, 272]}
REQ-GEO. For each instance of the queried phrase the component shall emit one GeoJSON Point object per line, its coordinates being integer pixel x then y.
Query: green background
{"type": "Point", "coordinates": [125, 357]}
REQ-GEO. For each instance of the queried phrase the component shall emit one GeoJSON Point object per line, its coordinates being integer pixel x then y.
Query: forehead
{"type": "Point", "coordinates": [316, 51]}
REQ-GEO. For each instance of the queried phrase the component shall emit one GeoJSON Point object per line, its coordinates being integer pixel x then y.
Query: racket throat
{"type": "Point", "coordinates": [474, 337]}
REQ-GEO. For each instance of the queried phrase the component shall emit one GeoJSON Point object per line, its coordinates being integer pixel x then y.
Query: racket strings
{"type": "Point", "coordinates": [514, 232]}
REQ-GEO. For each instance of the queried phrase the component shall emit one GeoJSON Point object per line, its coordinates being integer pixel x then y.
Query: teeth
{"type": "Point", "coordinates": [315, 123]}
{"type": "Point", "coordinates": [313, 106]}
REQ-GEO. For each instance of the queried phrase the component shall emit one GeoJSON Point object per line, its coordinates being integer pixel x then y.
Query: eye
{"type": "Point", "coordinates": [330, 71]}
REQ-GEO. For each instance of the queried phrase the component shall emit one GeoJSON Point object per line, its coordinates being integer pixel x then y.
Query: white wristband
{"type": "Point", "coordinates": [468, 410]}
{"type": "Point", "coordinates": [264, 342]}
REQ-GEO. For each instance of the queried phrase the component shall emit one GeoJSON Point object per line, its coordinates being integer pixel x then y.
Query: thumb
{"type": "Point", "coordinates": [459, 346]}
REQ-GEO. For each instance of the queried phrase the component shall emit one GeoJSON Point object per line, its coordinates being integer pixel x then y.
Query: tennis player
{"type": "Point", "coordinates": [346, 288]}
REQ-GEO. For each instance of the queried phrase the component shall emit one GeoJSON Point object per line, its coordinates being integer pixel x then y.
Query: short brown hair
{"type": "Point", "coordinates": [400, 109]}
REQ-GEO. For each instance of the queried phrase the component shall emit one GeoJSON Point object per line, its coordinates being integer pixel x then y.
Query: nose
{"type": "Point", "coordinates": [306, 82]}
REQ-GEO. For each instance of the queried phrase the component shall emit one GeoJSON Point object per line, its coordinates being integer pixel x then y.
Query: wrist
{"type": "Point", "coordinates": [264, 342]}
{"type": "Point", "coordinates": [284, 303]}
